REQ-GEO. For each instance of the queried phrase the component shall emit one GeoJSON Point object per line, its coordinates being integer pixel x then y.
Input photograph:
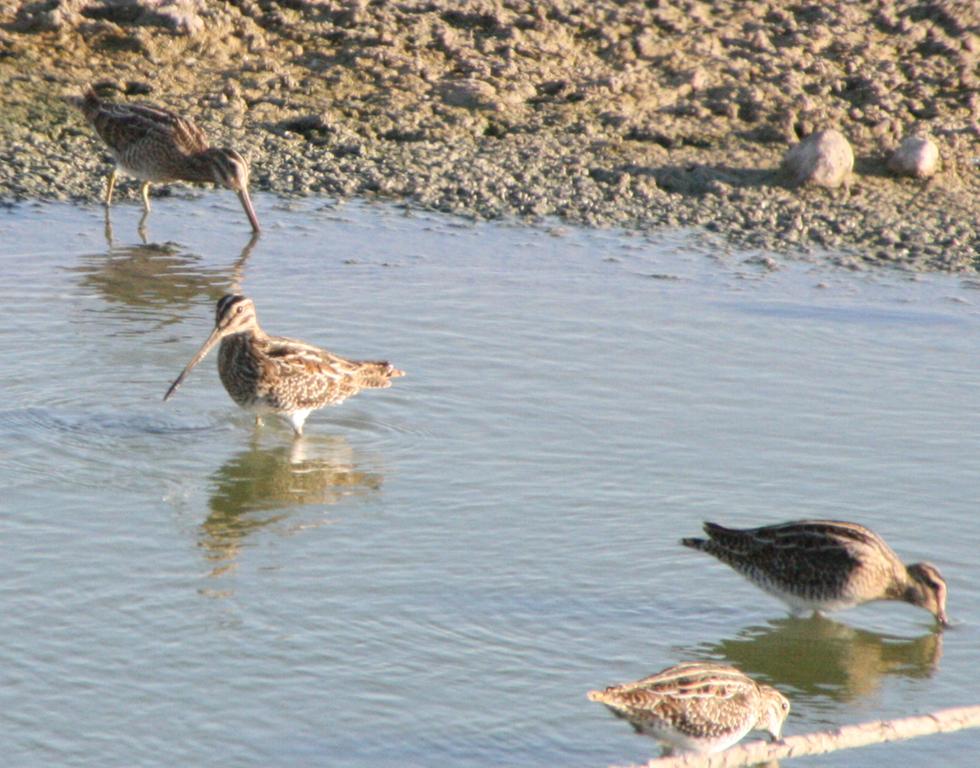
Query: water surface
{"type": "Point", "coordinates": [437, 573]}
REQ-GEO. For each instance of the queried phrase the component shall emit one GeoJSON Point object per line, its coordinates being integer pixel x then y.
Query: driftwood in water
{"type": "Point", "coordinates": [846, 737]}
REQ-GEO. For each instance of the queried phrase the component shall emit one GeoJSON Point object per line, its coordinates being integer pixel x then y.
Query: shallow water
{"type": "Point", "coordinates": [437, 573]}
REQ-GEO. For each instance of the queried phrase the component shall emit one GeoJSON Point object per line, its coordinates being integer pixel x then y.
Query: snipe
{"type": "Point", "coordinates": [824, 565]}
{"type": "Point", "coordinates": [156, 145]}
{"type": "Point", "coordinates": [697, 706]}
{"type": "Point", "coordinates": [274, 374]}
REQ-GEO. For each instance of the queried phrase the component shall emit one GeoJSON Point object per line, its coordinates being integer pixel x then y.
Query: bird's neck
{"type": "Point", "coordinates": [255, 333]}
{"type": "Point", "coordinates": [200, 167]}
{"type": "Point", "coordinates": [245, 336]}
{"type": "Point", "coordinates": [904, 587]}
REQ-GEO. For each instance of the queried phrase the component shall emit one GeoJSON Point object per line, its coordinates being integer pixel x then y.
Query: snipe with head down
{"type": "Point", "coordinates": [824, 565]}
{"type": "Point", "coordinates": [274, 374]}
{"type": "Point", "coordinates": [156, 145]}
{"type": "Point", "coordinates": [697, 706]}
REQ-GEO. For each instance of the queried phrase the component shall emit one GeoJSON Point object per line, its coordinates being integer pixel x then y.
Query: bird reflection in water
{"type": "Point", "coordinates": [154, 278]}
{"type": "Point", "coordinates": [825, 659]}
{"type": "Point", "coordinates": [260, 486]}
{"type": "Point", "coordinates": [141, 230]}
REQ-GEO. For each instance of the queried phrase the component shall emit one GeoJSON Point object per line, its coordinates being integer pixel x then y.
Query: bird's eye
{"type": "Point", "coordinates": [238, 309]}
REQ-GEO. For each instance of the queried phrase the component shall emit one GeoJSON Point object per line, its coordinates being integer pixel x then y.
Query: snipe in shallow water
{"type": "Point", "coordinates": [274, 374]}
{"type": "Point", "coordinates": [697, 706]}
{"type": "Point", "coordinates": [156, 145]}
{"type": "Point", "coordinates": [824, 565]}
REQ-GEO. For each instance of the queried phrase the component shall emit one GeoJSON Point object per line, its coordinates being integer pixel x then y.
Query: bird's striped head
{"type": "Point", "coordinates": [774, 709]}
{"type": "Point", "coordinates": [927, 589]}
{"type": "Point", "coordinates": [234, 314]}
{"type": "Point", "coordinates": [230, 169]}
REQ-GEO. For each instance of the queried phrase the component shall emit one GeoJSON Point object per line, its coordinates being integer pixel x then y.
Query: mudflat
{"type": "Point", "coordinates": [633, 114]}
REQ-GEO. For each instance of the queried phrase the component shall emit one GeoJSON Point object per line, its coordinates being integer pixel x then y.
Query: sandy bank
{"type": "Point", "coordinates": [598, 112]}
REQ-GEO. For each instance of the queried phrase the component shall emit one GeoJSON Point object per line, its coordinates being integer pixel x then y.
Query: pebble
{"type": "Point", "coordinates": [469, 93]}
{"type": "Point", "coordinates": [916, 156]}
{"type": "Point", "coordinates": [823, 159]}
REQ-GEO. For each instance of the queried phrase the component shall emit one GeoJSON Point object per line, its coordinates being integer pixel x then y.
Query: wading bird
{"type": "Point", "coordinates": [156, 145]}
{"type": "Point", "coordinates": [697, 706]}
{"type": "Point", "coordinates": [273, 374]}
{"type": "Point", "coordinates": [824, 565]}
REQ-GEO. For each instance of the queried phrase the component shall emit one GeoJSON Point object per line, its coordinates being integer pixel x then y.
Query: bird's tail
{"type": "Point", "coordinates": [89, 102]}
{"type": "Point", "coordinates": [377, 374]}
{"type": "Point", "coordinates": [603, 697]}
{"type": "Point", "coordinates": [713, 530]}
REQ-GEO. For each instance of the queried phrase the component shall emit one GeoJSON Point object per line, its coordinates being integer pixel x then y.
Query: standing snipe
{"type": "Point", "coordinates": [824, 565]}
{"type": "Point", "coordinates": [697, 706]}
{"type": "Point", "coordinates": [273, 374]}
{"type": "Point", "coordinates": [156, 145]}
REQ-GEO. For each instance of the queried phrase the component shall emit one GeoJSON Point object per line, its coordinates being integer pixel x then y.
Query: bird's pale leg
{"type": "Point", "coordinates": [297, 418]}
{"type": "Point", "coordinates": [258, 421]}
{"type": "Point", "coordinates": [145, 192]}
{"type": "Point", "coordinates": [108, 228]}
{"type": "Point", "coordinates": [109, 186]}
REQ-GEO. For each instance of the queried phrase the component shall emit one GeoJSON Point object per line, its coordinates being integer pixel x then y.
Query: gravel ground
{"type": "Point", "coordinates": [602, 113]}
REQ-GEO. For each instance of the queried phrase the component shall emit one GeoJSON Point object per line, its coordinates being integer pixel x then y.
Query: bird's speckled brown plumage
{"type": "Point", "coordinates": [274, 374]}
{"type": "Point", "coordinates": [156, 145]}
{"type": "Point", "coordinates": [697, 706]}
{"type": "Point", "coordinates": [824, 565]}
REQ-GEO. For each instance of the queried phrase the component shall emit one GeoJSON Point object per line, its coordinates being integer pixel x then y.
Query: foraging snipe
{"type": "Point", "coordinates": [273, 374]}
{"type": "Point", "coordinates": [824, 565]}
{"type": "Point", "coordinates": [156, 145]}
{"type": "Point", "coordinates": [697, 706]}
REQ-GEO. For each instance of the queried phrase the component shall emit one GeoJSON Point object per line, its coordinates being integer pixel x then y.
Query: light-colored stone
{"type": "Point", "coordinates": [469, 93]}
{"type": "Point", "coordinates": [56, 15]}
{"type": "Point", "coordinates": [916, 156]}
{"type": "Point", "coordinates": [824, 159]}
{"type": "Point", "coordinates": [182, 17]}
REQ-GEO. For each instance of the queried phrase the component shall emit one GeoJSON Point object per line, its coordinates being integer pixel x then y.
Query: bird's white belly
{"type": "Point", "coordinates": [683, 742]}
{"type": "Point", "coordinates": [801, 605]}
{"type": "Point", "coordinates": [143, 172]}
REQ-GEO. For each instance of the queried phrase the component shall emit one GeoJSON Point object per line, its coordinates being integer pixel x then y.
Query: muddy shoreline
{"type": "Point", "coordinates": [599, 113]}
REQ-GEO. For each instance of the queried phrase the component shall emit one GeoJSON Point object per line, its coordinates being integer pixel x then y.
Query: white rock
{"type": "Point", "coordinates": [824, 158]}
{"type": "Point", "coordinates": [915, 156]}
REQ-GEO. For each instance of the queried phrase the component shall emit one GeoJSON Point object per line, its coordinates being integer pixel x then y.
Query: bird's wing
{"type": "Point", "coordinates": [296, 358]}
{"type": "Point", "coordinates": [122, 125]}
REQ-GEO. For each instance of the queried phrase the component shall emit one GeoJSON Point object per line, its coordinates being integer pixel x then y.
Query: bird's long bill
{"type": "Point", "coordinates": [213, 339]}
{"type": "Point", "coordinates": [249, 210]}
